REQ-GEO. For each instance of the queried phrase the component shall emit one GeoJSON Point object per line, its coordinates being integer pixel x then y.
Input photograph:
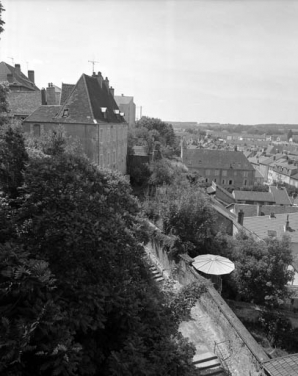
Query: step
{"type": "Point", "coordinates": [212, 372]}
{"type": "Point", "coordinates": [159, 279]}
{"type": "Point", "coordinates": [155, 272]}
{"type": "Point", "coordinates": [208, 364]}
{"type": "Point", "coordinates": [199, 358]}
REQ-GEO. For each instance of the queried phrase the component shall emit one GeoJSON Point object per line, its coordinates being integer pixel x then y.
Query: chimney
{"type": "Point", "coordinates": [272, 215]}
{"type": "Point", "coordinates": [43, 96]}
{"type": "Point", "coordinates": [18, 68]}
{"type": "Point", "coordinates": [31, 75]}
{"type": "Point", "coordinates": [287, 226]}
{"type": "Point", "coordinates": [107, 82]}
{"type": "Point", "coordinates": [51, 94]}
{"type": "Point", "coordinates": [99, 79]}
{"type": "Point", "coordinates": [240, 217]}
{"type": "Point", "coordinates": [259, 210]}
{"type": "Point", "coordinates": [112, 91]}
{"type": "Point", "coordinates": [10, 78]}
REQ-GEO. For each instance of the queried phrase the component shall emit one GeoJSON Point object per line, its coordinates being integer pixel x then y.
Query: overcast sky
{"type": "Point", "coordinates": [207, 61]}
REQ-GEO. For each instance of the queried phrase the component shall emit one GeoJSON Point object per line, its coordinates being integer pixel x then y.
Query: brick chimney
{"type": "Point", "coordinates": [240, 217]}
{"type": "Point", "coordinates": [259, 210]}
{"type": "Point", "coordinates": [112, 91]}
{"type": "Point", "coordinates": [107, 82]}
{"type": "Point", "coordinates": [10, 78]}
{"type": "Point", "coordinates": [43, 96]}
{"type": "Point", "coordinates": [31, 75]}
{"type": "Point", "coordinates": [99, 79]}
{"type": "Point", "coordinates": [51, 94]}
{"type": "Point", "coordinates": [18, 68]}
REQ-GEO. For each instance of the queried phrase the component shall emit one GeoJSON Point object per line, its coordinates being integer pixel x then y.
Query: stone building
{"type": "Point", "coordinates": [89, 112]}
{"type": "Point", "coordinates": [127, 106]}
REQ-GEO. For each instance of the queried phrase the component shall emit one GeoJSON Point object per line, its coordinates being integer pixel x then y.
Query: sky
{"type": "Point", "coordinates": [226, 61]}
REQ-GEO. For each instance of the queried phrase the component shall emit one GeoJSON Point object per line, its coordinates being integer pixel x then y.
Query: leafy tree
{"type": "Point", "coordinates": [261, 273]}
{"type": "Point", "coordinates": [1, 20]}
{"type": "Point", "coordinates": [289, 134]}
{"type": "Point", "coordinates": [13, 158]}
{"type": "Point", "coordinates": [110, 317]}
{"type": "Point", "coordinates": [4, 106]}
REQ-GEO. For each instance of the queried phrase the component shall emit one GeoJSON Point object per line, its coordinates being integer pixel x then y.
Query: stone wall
{"type": "Point", "coordinates": [246, 355]}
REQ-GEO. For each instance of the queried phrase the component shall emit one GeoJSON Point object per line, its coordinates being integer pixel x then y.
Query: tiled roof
{"type": "Point", "coordinates": [65, 92]}
{"type": "Point", "coordinates": [253, 196]}
{"type": "Point", "coordinates": [85, 102]}
{"type": "Point", "coordinates": [123, 99]}
{"type": "Point", "coordinates": [221, 159]}
{"type": "Point", "coordinates": [19, 78]}
{"type": "Point", "coordinates": [258, 174]}
{"type": "Point", "coordinates": [280, 195]}
{"type": "Point", "coordinates": [24, 102]}
{"type": "Point", "coordinates": [283, 366]}
{"type": "Point", "coordinates": [261, 225]}
{"type": "Point", "coordinates": [43, 114]}
{"type": "Point", "coordinates": [252, 210]}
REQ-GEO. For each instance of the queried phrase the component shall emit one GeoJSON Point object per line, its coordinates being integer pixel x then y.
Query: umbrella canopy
{"type": "Point", "coordinates": [212, 264]}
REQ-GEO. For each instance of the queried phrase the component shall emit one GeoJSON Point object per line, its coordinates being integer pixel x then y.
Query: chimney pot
{"type": "Point", "coordinates": [31, 76]}
{"type": "Point", "coordinates": [240, 217]}
{"type": "Point", "coordinates": [107, 82]}
{"type": "Point", "coordinates": [99, 79]}
{"type": "Point", "coordinates": [18, 68]}
{"type": "Point", "coordinates": [112, 91]}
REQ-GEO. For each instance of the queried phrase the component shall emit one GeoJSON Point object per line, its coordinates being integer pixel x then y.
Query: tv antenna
{"type": "Point", "coordinates": [93, 62]}
{"type": "Point", "coordinates": [12, 60]}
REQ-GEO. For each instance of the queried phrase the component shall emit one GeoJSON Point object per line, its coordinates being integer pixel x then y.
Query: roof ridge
{"type": "Point", "coordinates": [88, 95]}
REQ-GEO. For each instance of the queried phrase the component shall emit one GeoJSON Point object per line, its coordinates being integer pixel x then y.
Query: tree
{"type": "Point", "coordinates": [1, 20]}
{"type": "Point", "coordinates": [111, 319]}
{"type": "Point", "coordinates": [261, 269]}
{"type": "Point", "coordinates": [289, 134]}
{"type": "Point", "coordinates": [13, 157]}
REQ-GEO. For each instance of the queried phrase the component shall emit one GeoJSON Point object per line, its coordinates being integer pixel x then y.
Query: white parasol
{"type": "Point", "coordinates": [212, 264]}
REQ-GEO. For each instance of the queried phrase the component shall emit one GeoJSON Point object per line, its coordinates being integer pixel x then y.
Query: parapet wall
{"type": "Point", "coordinates": [246, 354]}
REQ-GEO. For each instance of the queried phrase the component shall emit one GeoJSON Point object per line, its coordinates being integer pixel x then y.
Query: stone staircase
{"type": "Point", "coordinates": [208, 364]}
{"type": "Point", "coordinates": [156, 274]}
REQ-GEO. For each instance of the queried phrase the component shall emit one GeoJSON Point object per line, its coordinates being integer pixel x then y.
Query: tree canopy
{"type": "Point", "coordinates": [76, 296]}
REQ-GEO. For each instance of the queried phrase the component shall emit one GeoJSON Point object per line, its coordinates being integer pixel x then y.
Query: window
{"type": "Point", "coordinates": [207, 180]}
{"type": "Point", "coordinates": [101, 163]}
{"type": "Point", "coordinates": [223, 182]}
{"type": "Point", "coordinates": [36, 130]}
{"type": "Point", "coordinates": [245, 182]}
{"type": "Point", "coordinates": [101, 135]}
{"type": "Point", "coordinates": [245, 174]}
{"type": "Point", "coordinates": [216, 173]}
{"type": "Point", "coordinates": [230, 182]}
{"type": "Point", "coordinates": [207, 172]}
{"type": "Point", "coordinates": [224, 173]}
{"type": "Point", "coordinates": [214, 180]}
{"type": "Point", "coordinates": [65, 112]}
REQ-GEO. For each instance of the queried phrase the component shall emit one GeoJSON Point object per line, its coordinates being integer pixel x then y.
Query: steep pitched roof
{"type": "Point", "coordinates": [19, 78]}
{"type": "Point", "coordinates": [253, 196]}
{"type": "Point", "coordinates": [123, 99]}
{"type": "Point", "coordinates": [43, 114]}
{"type": "Point", "coordinates": [24, 103]}
{"type": "Point", "coordinates": [221, 159]}
{"type": "Point", "coordinates": [65, 92]}
{"type": "Point", "coordinates": [85, 102]}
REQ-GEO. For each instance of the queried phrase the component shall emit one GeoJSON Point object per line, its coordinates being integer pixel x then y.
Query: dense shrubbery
{"type": "Point", "coordinates": [75, 294]}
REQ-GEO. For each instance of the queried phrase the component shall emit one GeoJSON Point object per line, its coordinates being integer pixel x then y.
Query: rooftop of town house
{"type": "Point", "coordinates": [283, 366]}
{"type": "Point", "coordinates": [18, 76]}
{"type": "Point", "coordinates": [20, 104]}
{"type": "Point", "coordinates": [123, 99]}
{"type": "Point", "coordinates": [253, 196]}
{"type": "Point", "coordinates": [44, 114]}
{"type": "Point", "coordinates": [259, 175]}
{"type": "Point", "coordinates": [275, 225]}
{"type": "Point", "coordinates": [252, 210]}
{"type": "Point", "coordinates": [280, 195]}
{"type": "Point", "coordinates": [216, 159]}
{"type": "Point", "coordinates": [65, 92]}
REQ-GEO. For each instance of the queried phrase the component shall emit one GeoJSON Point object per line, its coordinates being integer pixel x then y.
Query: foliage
{"type": "Point", "coordinates": [105, 315]}
{"type": "Point", "coordinates": [4, 90]}
{"type": "Point", "coordinates": [139, 174]}
{"type": "Point", "coordinates": [181, 302]}
{"type": "Point", "coordinates": [1, 20]}
{"type": "Point", "coordinates": [289, 134]}
{"type": "Point", "coordinates": [261, 268]}
{"type": "Point", "coordinates": [13, 157]}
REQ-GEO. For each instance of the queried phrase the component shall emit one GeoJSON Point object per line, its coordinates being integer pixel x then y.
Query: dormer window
{"type": "Point", "coordinates": [104, 111]}
{"type": "Point", "coordinates": [65, 112]}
